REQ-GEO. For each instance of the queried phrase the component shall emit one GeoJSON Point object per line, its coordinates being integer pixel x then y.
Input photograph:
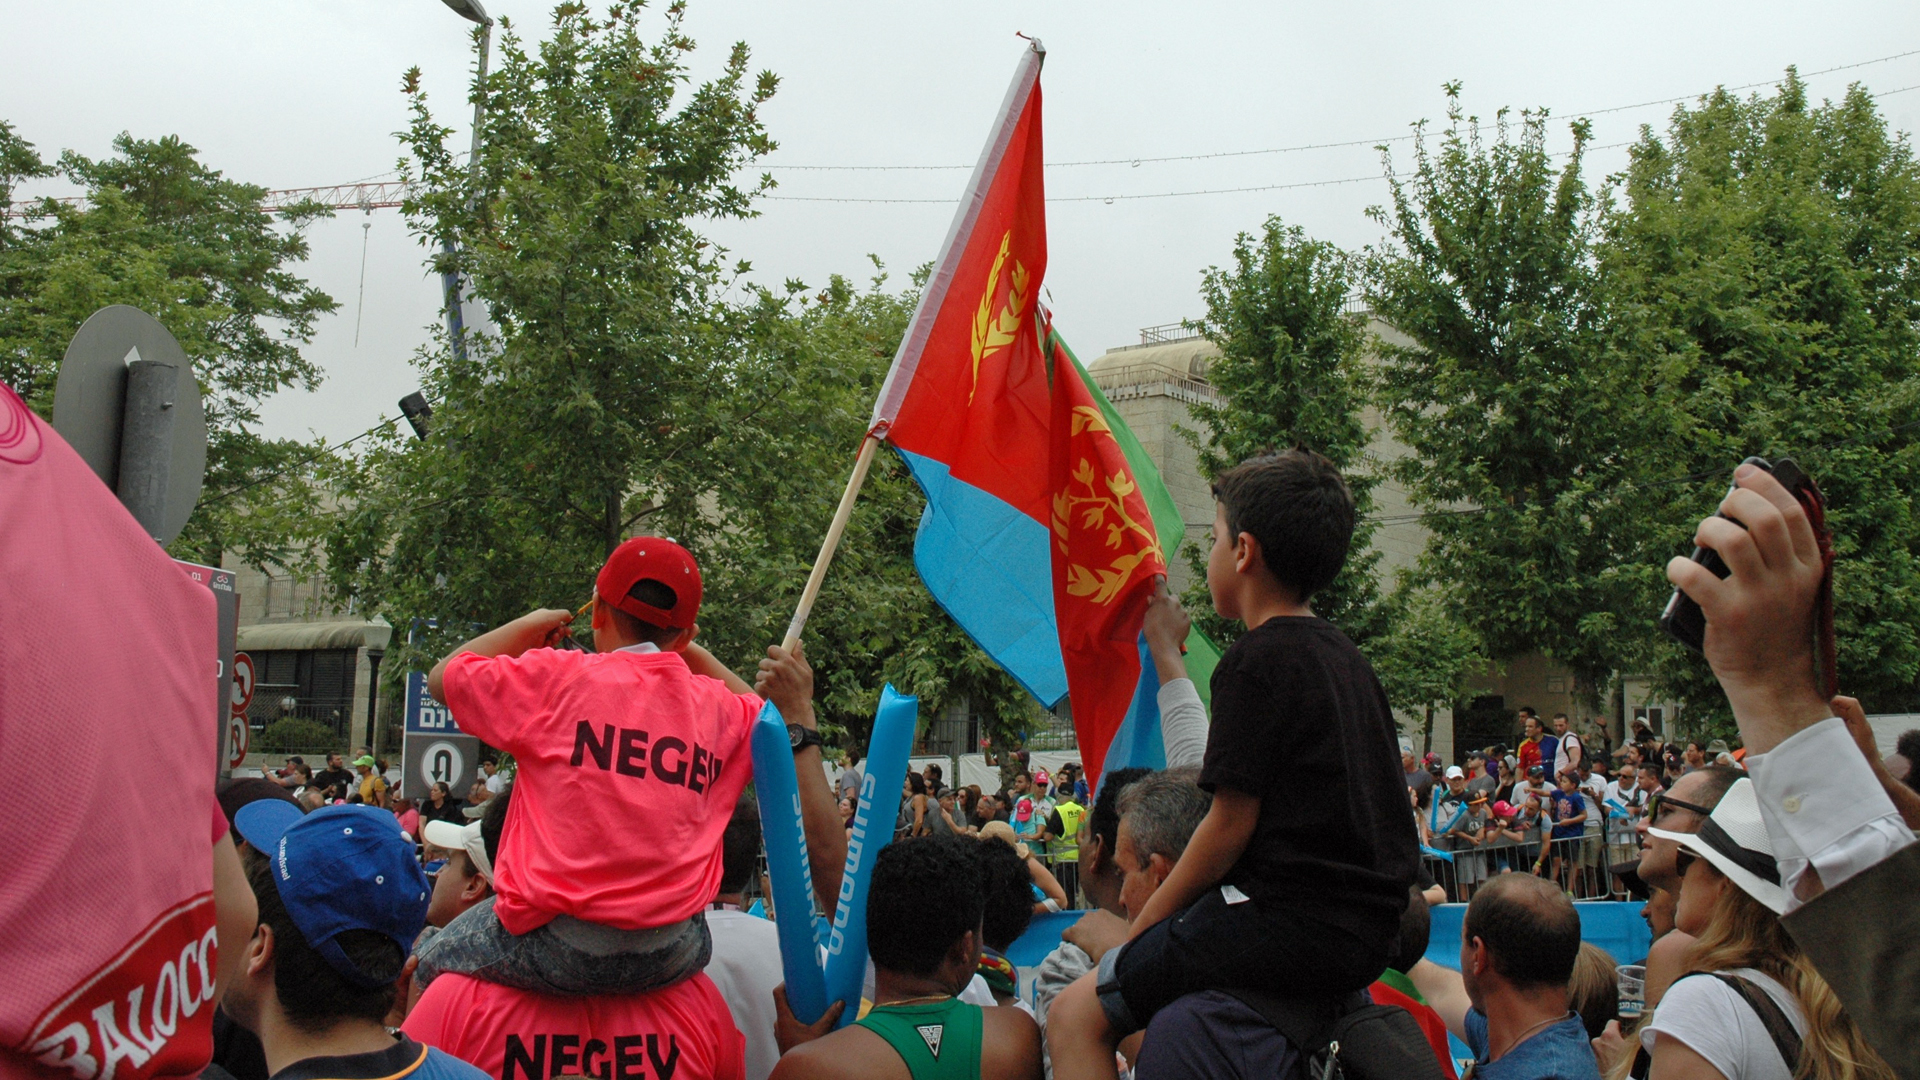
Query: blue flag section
{"type": "Point", "coordinates": [887, 751]}
{"type": "Point", "coordinates": [986, 563]}
{"type": "Point", "coordinates": [778, 787]}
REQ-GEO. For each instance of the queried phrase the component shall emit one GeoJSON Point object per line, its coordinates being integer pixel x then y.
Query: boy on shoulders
{"type": "Point", "coordinates": [1286, 887]}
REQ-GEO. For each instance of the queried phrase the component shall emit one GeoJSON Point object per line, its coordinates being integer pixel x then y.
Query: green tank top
{"type": "Point", "coordinates": [938, 1040]}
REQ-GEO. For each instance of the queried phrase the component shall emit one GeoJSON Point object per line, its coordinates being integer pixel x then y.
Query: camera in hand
{"type": "Point", "coordinates": [1683, 619]}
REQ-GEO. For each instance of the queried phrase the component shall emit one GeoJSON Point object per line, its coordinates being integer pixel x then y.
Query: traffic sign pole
{"type": "Point", "coordinates": [146, 442]}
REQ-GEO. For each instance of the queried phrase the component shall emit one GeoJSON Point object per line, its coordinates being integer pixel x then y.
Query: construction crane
{"type": "Point", "coordinates": [366, 195]}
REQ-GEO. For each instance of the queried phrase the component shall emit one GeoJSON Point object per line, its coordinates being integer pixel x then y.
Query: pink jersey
{"type": "Point", "coordinates": [684, 1032]}
{"type": "Point", "coordinates": [107, 727]}
{"type": "Point", "coordinates": [629, 767]}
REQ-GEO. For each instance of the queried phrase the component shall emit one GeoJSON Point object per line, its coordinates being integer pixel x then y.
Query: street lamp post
{"type": "Point", "coordinates": [471, 11]}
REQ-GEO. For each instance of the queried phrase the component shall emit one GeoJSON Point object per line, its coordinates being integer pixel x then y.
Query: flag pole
{"type": "Point", "coordinates": [832, 541]}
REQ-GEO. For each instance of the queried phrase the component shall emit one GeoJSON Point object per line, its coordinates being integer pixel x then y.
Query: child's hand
{"type": "Point", "coordinates": [539, 629]}
{"type": "Point", "coordinates": [786, 679]}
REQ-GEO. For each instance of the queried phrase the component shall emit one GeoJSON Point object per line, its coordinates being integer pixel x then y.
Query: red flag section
{"type": "Point", "coordinates": [974, 396]}
{"type": "Point", "coordinates": [1106, 554]}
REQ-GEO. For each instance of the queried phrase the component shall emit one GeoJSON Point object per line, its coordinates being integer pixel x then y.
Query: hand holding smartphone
{"type": "Point", "coordinates": [1683, 619]}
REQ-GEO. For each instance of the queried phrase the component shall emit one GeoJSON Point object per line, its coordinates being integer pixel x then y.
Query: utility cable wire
{"type": "Point", "coordinates": [1136, 161]}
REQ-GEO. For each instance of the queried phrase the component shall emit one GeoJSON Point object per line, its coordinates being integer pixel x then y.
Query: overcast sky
{"type": "Point", "coordinates": [298, 94]}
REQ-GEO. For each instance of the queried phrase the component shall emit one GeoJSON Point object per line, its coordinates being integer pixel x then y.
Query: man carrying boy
{"type": "Point", "coordinates": [1288, 888]}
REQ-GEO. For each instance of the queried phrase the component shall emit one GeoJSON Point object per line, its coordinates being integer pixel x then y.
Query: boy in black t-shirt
{"type": "Point", "coordinates": [1296, 880]}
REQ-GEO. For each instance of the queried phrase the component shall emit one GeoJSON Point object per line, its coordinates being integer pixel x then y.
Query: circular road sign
{"type": "Point", "coordinates": [242, 683]}
{"type": "Point", "coordinates": [442, 763]}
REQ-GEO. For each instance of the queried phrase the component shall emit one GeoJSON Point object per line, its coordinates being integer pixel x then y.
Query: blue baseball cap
{"type": "Point", "coordinates": [349, 868]}
{"type": "Point", "coordinates": [262, 821]}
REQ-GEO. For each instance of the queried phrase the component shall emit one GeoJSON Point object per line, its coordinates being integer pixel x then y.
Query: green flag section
{"type": "Point", "coordinates": [1202, 653]}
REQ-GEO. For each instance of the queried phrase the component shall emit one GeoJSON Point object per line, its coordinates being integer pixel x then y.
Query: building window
{"type": "Point", "coordinates": [318, 682]}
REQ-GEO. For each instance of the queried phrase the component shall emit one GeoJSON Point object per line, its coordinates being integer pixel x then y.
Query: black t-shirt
{"type": "Point", "coordinates": [327, 778]}
{"type": "Point", "coordinates": [1300, 721]}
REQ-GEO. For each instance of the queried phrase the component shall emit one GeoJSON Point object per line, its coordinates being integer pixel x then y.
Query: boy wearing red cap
{"type": "Point", "coordinates": [630, 761]}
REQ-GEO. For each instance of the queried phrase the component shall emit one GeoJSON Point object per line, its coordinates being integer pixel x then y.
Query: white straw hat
{"type": "Point", "coordinates": [1734, 839]}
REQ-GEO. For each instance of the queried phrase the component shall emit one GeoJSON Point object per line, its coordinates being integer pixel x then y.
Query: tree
{"type": "Point", "coordinates": [1767, 258]}
{"type": "Point", "coordinates": [162, 232]}
{"type": "Point", "coordinates": [624, 393]}
{"type": "Point", "coordinates": [1523, 421]}
{"type": "Point", "coordinates": [1428, 658]}
{"type": "Point", "coordinates": [1292, 371]}
{"type": "Point", "coordinates": [592, 410]}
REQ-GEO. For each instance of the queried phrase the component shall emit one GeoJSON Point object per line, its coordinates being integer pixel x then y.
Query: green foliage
{"type": "Point", "coordinates": [1292, 371]}
{"type": "Point", "coordinates": [1584, 373]}
{"type": "Point", "coordinates": [624, 394]}
{"type": "Point", "coordinates": [1522, 422]}
{"type": "Point", "coordinates": [292, 734]}
{"type": "Point", "coordinates": [162, 232]}
{"type": "Point", "coordinates": [1429, 656]}
{"type": "Point", "coordinates": [1767, 258]}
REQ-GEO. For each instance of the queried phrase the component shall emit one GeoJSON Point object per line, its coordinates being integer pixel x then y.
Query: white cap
{"type": "Point", "coordinates": [445, 834]}
{"type": "Point", "coordinates": [1454, 773]}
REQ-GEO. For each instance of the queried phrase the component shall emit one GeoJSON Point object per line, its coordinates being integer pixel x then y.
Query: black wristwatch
{"type": "Point", "coordinates": [803, 737]}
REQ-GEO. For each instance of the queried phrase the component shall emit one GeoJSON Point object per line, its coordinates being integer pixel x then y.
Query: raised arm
{"type": "Point", "coordinates": [786, 679]}
{"type": "Point", "coordinates": [1183, 718]}
{"type": "Point", "coordinates": [534, 630]}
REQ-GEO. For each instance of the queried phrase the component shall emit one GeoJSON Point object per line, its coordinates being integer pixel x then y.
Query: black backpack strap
{"type": "Point", "coordinates": [1772, 1017]}
{"type": "Point", "coordinates": [1779, 1028]}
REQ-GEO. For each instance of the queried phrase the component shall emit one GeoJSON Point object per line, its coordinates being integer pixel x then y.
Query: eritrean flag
{"type": "Point", "coordinates": [1044, 518]}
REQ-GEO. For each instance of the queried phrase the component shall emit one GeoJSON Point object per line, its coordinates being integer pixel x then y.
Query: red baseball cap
{"type": "Point", "coordinates": [652, 558]}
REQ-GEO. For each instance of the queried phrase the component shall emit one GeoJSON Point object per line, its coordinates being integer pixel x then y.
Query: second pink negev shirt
{"type": "Point", "coordinates": [629, 768]}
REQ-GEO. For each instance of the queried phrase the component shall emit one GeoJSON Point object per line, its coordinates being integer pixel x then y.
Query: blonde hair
{"type": "Point", "coordinates": [1594, 989]}
{"type": "Point", "coordinates": [1743, 933]}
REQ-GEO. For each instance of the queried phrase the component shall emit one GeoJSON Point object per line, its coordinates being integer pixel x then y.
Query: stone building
{"type": "Point", "coordinates": [311, 659]}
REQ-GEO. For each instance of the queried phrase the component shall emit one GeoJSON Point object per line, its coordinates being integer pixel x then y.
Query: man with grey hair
{"type": "Point", "coordinates": [1158, 815]}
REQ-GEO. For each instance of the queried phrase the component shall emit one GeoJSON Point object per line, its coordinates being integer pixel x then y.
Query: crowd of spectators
{"type": "Point", "coordinates": [591, 911]}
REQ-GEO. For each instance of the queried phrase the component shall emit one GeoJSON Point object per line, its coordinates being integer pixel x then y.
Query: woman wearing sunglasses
{"type": "Point", "coordinates": [1750, 1006]}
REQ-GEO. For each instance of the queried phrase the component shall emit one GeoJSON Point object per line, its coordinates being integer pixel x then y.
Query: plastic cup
{"type": "Point", "coordinates": [1633, 990]}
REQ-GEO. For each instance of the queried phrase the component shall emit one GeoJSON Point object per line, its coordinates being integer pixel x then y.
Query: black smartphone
{"type": "Point", "coordinates": [1683, 619]}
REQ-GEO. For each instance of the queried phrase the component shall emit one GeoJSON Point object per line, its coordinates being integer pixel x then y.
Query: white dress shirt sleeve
{"type": "Point", "coordinates": [1183, 723]}
{"type": "Point", "coordinates": [1824, 808]}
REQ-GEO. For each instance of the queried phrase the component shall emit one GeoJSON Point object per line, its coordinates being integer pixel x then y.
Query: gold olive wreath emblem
{"type": "Point", "coordinates": [1101, 511]}
{"type": "Point", "coordinates": [992, 333]}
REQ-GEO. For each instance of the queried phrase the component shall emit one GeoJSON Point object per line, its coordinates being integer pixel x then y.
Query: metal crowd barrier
{"type": "Point", "coordinates": [1578, 864]}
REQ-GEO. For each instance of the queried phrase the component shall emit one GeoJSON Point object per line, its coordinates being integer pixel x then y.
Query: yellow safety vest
{"type": "Point", "coordinates": [1067, 848]}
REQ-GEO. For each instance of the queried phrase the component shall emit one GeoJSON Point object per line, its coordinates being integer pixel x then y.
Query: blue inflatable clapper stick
{"type": "Point", "coordinates": [873, 822]}
{"type": "Point", "coordinates": [778, 787]}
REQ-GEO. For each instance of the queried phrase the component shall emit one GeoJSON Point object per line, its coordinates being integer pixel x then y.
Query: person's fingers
{"type": "Point", "coordinates": [1695, 580]}
{"type": "Point", "coordinates": [1735, 546]}
{"type": "Point", "coordinates": [1752, 478]}
{"type": "Point", "coordinates": [829, 1018]}
{"type": "Point", "coordinates": [1855, 717]}
{"type": "Point", "coordinates": [780, 1005]}
{"type": "Point", "coordinates": [1767, 524]}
